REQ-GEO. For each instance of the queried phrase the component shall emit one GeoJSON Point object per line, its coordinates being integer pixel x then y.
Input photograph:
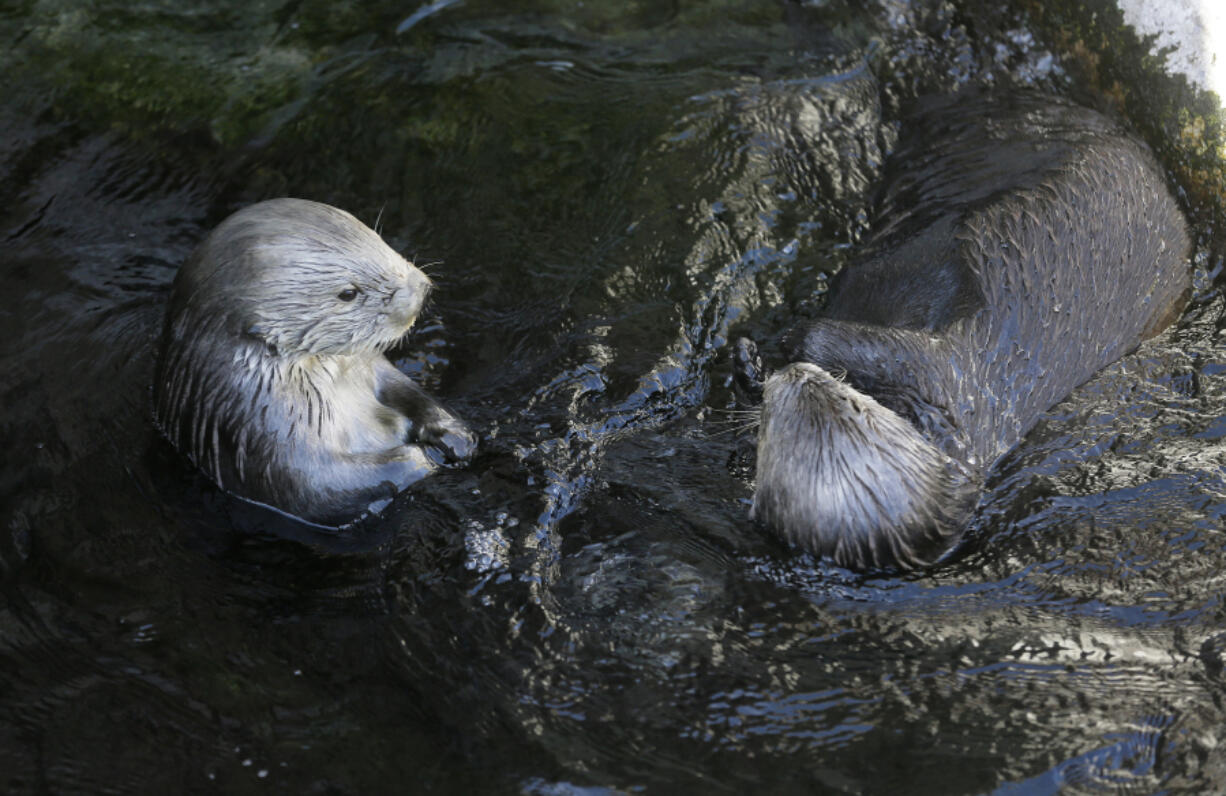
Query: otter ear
{"type": "Point", "coordinates": [256, 332]}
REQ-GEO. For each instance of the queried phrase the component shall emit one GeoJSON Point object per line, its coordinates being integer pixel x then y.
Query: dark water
{"type": "Point", "coordinates": [611, 191]}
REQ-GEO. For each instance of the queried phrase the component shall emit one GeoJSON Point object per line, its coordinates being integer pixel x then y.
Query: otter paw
{"type": "Point", "coordinates": [450, 437]}
{"type": "Point", "coordinates": [747, 378]}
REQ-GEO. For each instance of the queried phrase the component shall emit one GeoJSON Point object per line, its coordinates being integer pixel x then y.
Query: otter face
{"type": "Point", "coordinates": [340, 301]}
{"type": "Point", "coordinates": [305, 278]}
{"type": "Point", "coordinates": [842, 476]}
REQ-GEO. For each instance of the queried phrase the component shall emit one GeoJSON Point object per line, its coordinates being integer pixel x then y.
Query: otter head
{"type": "Point", "coordinates": [301, 277]}
{"type": "Point", "coordinates": [842, 476]}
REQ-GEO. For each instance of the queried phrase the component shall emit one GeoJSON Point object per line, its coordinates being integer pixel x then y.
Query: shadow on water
{"type": "Point", "coordinates": [609, 192]}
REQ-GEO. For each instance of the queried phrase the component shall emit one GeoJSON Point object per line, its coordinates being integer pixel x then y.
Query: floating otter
{"type": "Point", "coordinates": [271, 376]}
{"type": "Point", "coordinates": [1022, 245]}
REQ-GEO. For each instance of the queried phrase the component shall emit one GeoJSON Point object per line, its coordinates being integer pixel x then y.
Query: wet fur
{"type": "Point", "coordinates": [1023, 245]}
{"type": "Point", "coordinates": [276, 387]}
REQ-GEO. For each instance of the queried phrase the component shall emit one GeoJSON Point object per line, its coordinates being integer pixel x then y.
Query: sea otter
{"type": "Point", "coordinates": [271, 376]}
{"type": "Point", "coordinates": [1022, 243]}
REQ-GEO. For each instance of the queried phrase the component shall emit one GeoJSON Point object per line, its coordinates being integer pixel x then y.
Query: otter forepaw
{"type": "Point", "coordinates": [450, 437]}
{"type": "Point", "coordinates": [747, 377]}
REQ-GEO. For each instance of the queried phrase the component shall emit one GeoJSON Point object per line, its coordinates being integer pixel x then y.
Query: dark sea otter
{"type": "Point", "coordinates": [1021, 245]}
{"type": "Point", "coordinates": [272, 378]}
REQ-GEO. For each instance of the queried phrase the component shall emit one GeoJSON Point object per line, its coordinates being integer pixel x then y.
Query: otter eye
{"type": "Point", "coordinates": [348, 294]}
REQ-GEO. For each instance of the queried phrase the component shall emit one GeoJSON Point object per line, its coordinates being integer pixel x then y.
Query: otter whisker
{"type": "Point", "coordinates": [737, 411]}
{"type": "Point", "coordinates": [737, 423]}
{"type": "Point", "coordinates": [733, 431]}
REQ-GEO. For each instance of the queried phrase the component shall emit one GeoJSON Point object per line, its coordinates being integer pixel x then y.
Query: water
{"type": "Point", "coordinates": [610, 192]}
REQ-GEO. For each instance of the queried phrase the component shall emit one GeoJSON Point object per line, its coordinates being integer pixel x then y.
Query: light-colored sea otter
{"type": "Point", "coordinates": [271, 376]}
{"type": "Point", "coordinates": [1021, 245]}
